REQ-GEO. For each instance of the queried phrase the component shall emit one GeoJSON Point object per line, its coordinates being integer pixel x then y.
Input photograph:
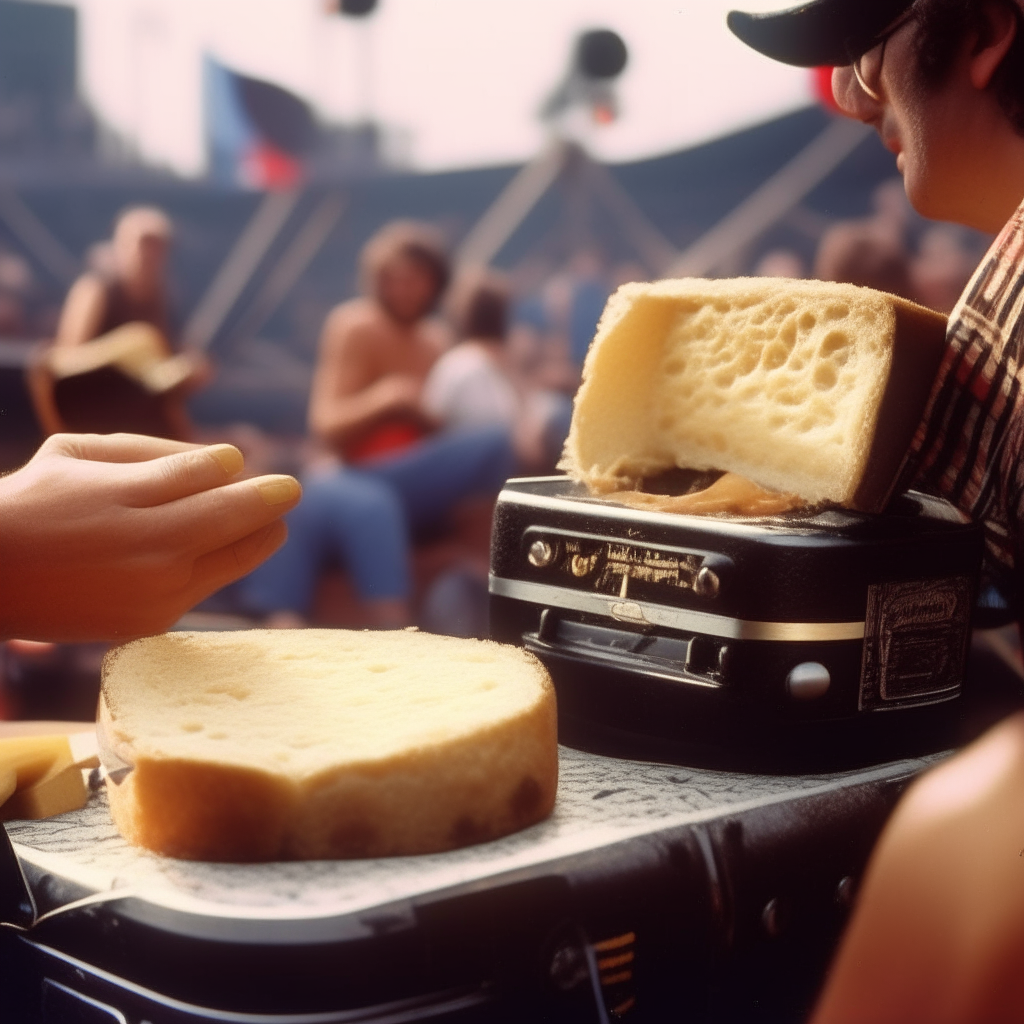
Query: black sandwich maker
{"type": "Point", "coordinates": [707, 629]}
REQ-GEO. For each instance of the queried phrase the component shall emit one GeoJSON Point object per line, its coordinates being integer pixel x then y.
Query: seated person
{"type": "Point", "coordinates": [126, 284]}
{"type": "Point", "coordinates": [475, 383]}
{"type": "Point", "coordinates": [937, 932]}
{"type": "Point", "coordinates": [387, 477]}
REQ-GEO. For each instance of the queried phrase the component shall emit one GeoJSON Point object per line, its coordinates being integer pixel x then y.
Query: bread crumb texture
{"type": "Point", "coordinates": [779, 381]}
{"type": "Point", "coordinates": [313, 744]}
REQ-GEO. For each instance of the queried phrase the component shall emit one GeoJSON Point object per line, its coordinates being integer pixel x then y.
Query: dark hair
{"type": "Point", "coordinates": [411, 240]}
{"type": "Point", "coordinates": [480, 306]}
{"type": "Point", "coordinates": [943, 26]}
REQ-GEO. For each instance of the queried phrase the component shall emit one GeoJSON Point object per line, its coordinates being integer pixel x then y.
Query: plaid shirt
{"type": "Point", "coordinates": [970, 446]}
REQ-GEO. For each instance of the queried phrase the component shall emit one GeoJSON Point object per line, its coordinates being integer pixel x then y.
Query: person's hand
{"type": "Point", "coordinates": [108, 537]}
{"type": "Point", "coordinates": [399, 393]}
{"type": "Point", "coordinates": [938, 932]}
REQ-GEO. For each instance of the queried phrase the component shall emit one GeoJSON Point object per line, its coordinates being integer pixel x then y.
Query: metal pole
{"type": "Point", "coordinates": [774, 199]}
{"type": "Point", "coordinates": [499, 222]}
{"type": "Point", "coordinates": [238, 269]}
{"type": "Point", "coordinates": [293, 263]}
{"type": "Point", "coordinates": [651, 245]}
{"type": "Point", "coordinates": [37, 237]}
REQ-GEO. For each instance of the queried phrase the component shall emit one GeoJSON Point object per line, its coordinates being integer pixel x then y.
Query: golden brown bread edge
{"type": "Point", "coordinates": [427, 800]}
{"type": "Point", "coordinates": [917, 352]}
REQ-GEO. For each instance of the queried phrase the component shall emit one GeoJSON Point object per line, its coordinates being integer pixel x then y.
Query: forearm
{"type": "Point", "coordinates": [338, 420]}
{"type": "Point", "coordinates": [82, 314]}
{"type": "Point", "coordinates": [938, 931]}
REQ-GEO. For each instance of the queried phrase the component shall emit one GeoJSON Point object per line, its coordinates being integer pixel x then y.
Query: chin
{"type": "Point", "coordinates": [923, 195]}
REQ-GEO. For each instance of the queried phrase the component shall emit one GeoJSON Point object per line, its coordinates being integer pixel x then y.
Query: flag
{"type": "Point", "coordinates": [257, 133]}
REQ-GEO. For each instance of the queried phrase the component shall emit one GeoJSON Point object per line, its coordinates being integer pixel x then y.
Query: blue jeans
{"type": "Point", "coordinates": [364, 517]}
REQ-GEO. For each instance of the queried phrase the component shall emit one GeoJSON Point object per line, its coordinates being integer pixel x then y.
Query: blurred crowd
{"type": "Point", "coordinates": [892, 249]}
{"type": "Point", "coordinates": [430, 389]}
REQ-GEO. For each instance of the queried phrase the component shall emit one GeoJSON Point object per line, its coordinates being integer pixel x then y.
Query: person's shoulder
{"type": "Point", "coordinates": [352, 312]}
{"type": "Point", "coordinates": [435, 336]}
{"type": "Point", "coordinates": [90, 282]}
{"type": "Point", "coordinates": [352, 322]}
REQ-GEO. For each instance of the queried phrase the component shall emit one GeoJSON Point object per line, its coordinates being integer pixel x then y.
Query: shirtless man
{"type": "Point", "coordinates": [376, 350]}
{"type": "Point", "coordinates": [938, 932]}
{"type": "Point", "coordinates": [391, 476]}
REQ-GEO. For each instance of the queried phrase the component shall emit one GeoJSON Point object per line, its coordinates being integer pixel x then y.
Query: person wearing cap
{"type": "Point", "coordinates": [938, 931]}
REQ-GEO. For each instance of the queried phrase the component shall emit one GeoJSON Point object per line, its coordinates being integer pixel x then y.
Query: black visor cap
{"type": "Point", "coordinates": [823, 32]}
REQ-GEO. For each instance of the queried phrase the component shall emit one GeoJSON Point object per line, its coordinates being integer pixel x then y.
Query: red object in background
{"type": "Point", "coordinates": [267, 167]}
{"type": "Point", "coordinates": [387, 439]}
{"type": "Point", "coordinates": [822, 79]}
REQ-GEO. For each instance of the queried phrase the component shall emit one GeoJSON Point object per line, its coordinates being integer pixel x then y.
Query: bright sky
{"type": "Point", "coordinates": [460, 80]}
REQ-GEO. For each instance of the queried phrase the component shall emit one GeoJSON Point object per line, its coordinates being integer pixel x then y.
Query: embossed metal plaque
{"type": "Point", "coordinates": [605, 564]}
{"type": "Point", "coordinates": [915, 642]}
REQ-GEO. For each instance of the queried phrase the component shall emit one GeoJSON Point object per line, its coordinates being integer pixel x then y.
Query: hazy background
{"type": "Point", "coordinates": [454, 83]}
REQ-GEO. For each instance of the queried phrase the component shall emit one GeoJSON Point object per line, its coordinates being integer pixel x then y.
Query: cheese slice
{"type": "Point", "coordinates": [61, 789]}
{"type": "Point", "coordinates": [42, 775]}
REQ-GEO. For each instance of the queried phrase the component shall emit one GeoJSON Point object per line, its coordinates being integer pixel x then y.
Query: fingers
{"type": "Point", "coordinates": [163, 480]}
{"type": "Point", "coordinates": [215, 518]}
{"type": "Point", "coordinates": [217, 569]}
{"type": "Point", "coordinates": [114, 447]}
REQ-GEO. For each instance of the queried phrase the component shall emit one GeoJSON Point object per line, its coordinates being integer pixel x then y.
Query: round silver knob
{"type": "Point", "coordinates": [707, 583]}
{"type": "Point", "coordinates": [541, 553]}
{"type": "Point", "coordinates": [808, 681]}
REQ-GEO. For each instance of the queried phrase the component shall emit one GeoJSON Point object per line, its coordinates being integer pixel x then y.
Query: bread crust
{"type": "Point", "coordinates": [426, 799]}
{"type": "Point", "coordinates": [916, 357]}
{"type": "Point", "coordinates": [429, 801]}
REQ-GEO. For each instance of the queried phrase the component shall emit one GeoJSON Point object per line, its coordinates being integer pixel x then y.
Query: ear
{"type": "Point", "coordinates": [850, 98]}
{"type": "Point", "coordinates": [1001, 30]}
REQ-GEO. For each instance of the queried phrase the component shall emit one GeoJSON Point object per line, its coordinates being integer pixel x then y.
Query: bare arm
{"type": "Point", "coordinates": [83, 311]}
{"type": "Point", "coordinates": [108, 537]}
{"type": "Point", "coordinates": [938, 933]}
{"type": "Point", "coordinates": [346, 398]}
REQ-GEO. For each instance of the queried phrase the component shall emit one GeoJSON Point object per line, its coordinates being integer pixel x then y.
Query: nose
{"type": "Point", "coordinates": [851, 99]}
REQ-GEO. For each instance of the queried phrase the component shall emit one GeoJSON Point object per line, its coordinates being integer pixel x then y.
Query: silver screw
{"type": "Point", "coordinates": [540, 554]}
{"type": "Point", "coordinates": [707, 583]}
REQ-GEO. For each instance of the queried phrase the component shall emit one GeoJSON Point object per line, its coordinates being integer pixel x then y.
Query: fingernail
{"type": "Point", "coordinates": [275, 490]}
{"type": "Point", "coordinates": [229, 457]}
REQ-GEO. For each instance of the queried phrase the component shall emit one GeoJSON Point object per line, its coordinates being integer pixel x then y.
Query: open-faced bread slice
{"type": "Point", "coordinates": [285, 744]}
